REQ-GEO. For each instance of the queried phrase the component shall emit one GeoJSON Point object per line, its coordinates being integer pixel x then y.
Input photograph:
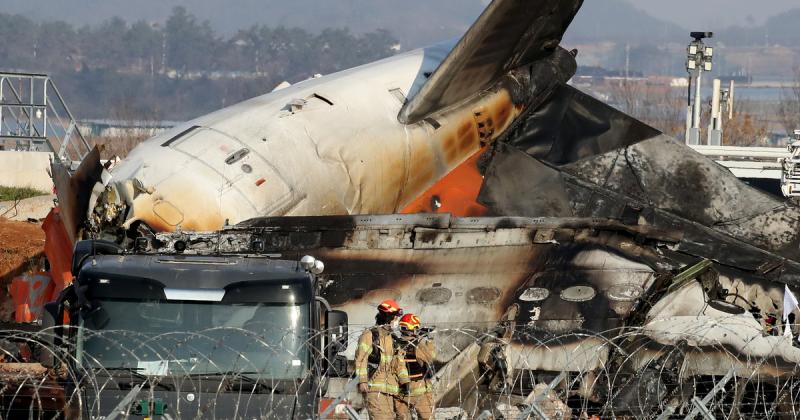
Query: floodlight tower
{"type": "Point", "coordinates": [698, 60]}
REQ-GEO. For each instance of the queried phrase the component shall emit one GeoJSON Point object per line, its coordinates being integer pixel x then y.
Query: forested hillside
{"type": "Point", "coordinates": [179, 69]}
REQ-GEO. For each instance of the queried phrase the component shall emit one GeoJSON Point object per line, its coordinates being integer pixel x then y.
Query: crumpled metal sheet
{"type": "Point", "coordinates": [574, 156]}
{"type": "Point", "coordinates": [565, 192]}
{"type": "Point", "coordinates": [571, 125]}
{"type": "Point", "coordinates": [74, 190]}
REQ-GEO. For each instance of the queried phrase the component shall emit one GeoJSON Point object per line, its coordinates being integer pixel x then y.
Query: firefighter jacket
{"type": "Point", "coordinates": [377, 363]}
{"type": "Point", "coordinates": [418, 355]}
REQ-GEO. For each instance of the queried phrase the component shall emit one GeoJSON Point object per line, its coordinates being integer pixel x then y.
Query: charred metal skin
{"type": "Point", "coordinates": [582, 158]}
{"type": "Point", "coordinates": [592, 297]}
{"type": "Point", "coordinates": [577, 284]}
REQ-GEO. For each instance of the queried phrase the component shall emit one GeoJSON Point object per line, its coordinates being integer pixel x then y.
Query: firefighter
{"type": "Point", "coordinates": [380, 373]}
{"type": "Point", "coordinates": [418, 352]}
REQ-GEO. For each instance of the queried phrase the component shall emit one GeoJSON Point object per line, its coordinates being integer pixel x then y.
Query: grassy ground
{"type": "Point", "coordinates": [18, 193]}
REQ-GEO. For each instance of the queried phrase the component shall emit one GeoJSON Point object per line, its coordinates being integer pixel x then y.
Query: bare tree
{"type": "Point", "coordinates": [747, 127]}
{"type": "Point", "coordinates": [133, 125]}
{"type": "Point", "coordinates": [660, 106]}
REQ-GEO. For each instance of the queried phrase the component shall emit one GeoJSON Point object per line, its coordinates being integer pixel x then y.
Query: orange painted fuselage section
{"type": "Point", "coordinates": [456, 193]}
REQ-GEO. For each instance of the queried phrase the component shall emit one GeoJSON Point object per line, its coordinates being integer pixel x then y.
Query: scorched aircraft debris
{"type": "Point", "coordinates": [594, 223]}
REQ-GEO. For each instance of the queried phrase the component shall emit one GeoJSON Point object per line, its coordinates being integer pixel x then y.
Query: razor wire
{"type": "Point", "coordinates": [226, 372]}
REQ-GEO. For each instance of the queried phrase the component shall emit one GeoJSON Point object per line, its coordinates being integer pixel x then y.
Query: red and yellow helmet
{"type": "Point", "coordinates": [390, 306]}
{"type": "Point", "coordinates": [409, 323]}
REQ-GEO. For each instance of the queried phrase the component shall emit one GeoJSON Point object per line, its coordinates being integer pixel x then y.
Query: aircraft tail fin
{"type": "Point", "coordinates": [508, 34]}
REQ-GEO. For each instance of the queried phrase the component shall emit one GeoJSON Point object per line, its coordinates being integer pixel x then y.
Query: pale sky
{"type": "Point", "coordinates": [230, 15]}
{"type": "Point", "coordinates": [711, 14]}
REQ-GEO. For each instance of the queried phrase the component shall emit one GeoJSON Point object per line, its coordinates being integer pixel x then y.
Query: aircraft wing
{"type": "Point", "coordinates": [508, 34]}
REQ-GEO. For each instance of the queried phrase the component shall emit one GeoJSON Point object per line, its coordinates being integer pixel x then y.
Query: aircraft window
{"type": "Point", "coordinates": [482, 295]}
{"type": "Point", "coordinates": [578, 294]}
{"type": "Point", "coordinates": [175, 138]}
{"type": "Point", "coordinates": [435, 295]}
{"type": "Point", "coordinates": [237, 156]}
{"type": "Point", "coordinates": [534, 294]}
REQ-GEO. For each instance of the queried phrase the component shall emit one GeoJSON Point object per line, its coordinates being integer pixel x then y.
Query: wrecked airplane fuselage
{"type": "Point", "coordinates": [601, 269]}
{"type": "Point", "coordinates": [368, 140]}
{"type": "Point", "coordinates": [269, 155]}
{"type": "Point", "coordinates": [597, 298]}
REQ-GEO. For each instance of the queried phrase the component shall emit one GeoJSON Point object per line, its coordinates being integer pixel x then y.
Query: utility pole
{"type": "Point", "coordinates": [721, 106]}
{"type": "Point", "coordinates": [627, 61]}
{"type": "Point", "coordinates": [698, 60]}
{"type": "Point", "coordinates": [164, 51]}
{"type": "Point", "coordinates": [715, 125]}
{"type": "Point", "coordinates": [730, 100]}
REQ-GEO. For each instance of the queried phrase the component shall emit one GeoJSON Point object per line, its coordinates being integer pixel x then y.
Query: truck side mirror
{"type": "Point", "coordinates": [336, 337]}
{"type": "Point", "coordinates": [336, 322]}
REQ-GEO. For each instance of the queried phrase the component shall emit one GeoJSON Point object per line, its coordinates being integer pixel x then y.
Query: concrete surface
{"type": "Point", "coordinates": [25, 169]}
{"type": "Point", "coordinates": [29, 208]}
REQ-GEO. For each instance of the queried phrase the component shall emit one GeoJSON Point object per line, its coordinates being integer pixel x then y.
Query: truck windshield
{"type": "Point", "coordinates": [267, 340]}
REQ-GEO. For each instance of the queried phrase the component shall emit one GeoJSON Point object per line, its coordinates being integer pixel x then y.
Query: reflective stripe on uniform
{"type": "Point", "coordinates": [384, 387]}
{"type": "Point", "coordinates": [403, 374]}
{"type": "Point", "coordinates": [418, 388]}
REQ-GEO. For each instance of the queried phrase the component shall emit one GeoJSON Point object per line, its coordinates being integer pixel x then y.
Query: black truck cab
{"type": "Point", "coordinates": [188, 336]}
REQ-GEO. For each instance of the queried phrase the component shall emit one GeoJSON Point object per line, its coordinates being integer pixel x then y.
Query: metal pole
{"type": "Point", "coordinates": [701, 405]}
{"type": "Point", "coordinates": [702, 409]}
{"type": "Point", "coordinates": [689, 112]}
{"type": "Point", "coordinates": [697, 93]}
{"type": "Point", "coordinates": [44, 110]}
{"type": "Point", "coordinates": [694, 131]}
{"type": "Point", "coordinates": [72, 118]}
{"type": "Point", "coordinates": [532, 399]}
{"type": "Point", "coordinates": [31, 113]}
{"type": "Point", "coordinates": [352, 414]}
{"type": "Point", "coordinates": [714, 126]}
{"type": "Point", "coordinates": [2, 82]}
{"type": "Point", "coordinates": [730, 100]}
{"type": "Point", "coordinates": [124, 402]}
{"type": "Point", "coordinates": [350, 387]}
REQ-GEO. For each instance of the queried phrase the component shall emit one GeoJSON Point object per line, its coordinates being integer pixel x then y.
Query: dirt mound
{"type": "Point", "coordinates": [20, 245]}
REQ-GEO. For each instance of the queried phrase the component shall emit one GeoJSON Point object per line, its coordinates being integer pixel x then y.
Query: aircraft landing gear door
{"type": "Point", "coordinates": [240, 168]}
